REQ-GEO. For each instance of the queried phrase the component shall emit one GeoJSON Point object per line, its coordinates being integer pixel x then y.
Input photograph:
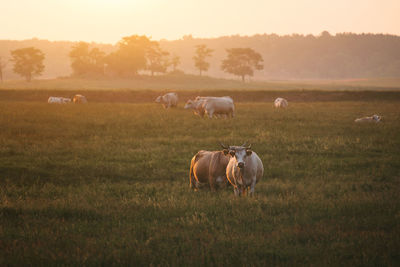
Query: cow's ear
{"type": "Point", "coordinates": [226, 151]}
{"type": "Point", "coordinates": [248, 152]}
{"type": "Point", "coordinates": [232, 152]}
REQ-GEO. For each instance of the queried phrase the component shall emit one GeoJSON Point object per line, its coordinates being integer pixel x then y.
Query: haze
{"type": "Point", "coordinates": [109, 20]}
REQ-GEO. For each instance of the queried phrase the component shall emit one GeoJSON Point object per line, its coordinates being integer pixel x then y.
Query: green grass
{"type": "Point", "coordinates": [107, 184]}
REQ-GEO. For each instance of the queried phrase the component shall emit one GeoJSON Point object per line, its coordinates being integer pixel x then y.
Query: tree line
{"type": "Point", "coordinates": [323, 56]}
{"type": "Point", "coordinates": [134, 54]}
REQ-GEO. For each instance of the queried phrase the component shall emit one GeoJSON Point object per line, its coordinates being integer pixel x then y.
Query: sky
{"type": "Point", "coordinates": [107, 21]}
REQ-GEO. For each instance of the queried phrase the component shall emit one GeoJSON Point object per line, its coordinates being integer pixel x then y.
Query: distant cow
{"type": "Point", "coordinates": [208, 167]}
{"type": "Point", "coordinates": [373, 118]}
{"type": "Point", "coordinates": [280, 103]}
{"type": "Point", "coordinates": [219, 106]}
{"type": "Point", "coordinates": [196, 105]}
{"type": "Point", "coordinates": [244, 169]}
{"type": "Point", "coordinates": [168, 100]}
{"type": "Point", "coordinates": [80, 99]}
{"type": "Point", "coordinates": [213, 97]}
{"type": "Point", "coordinates": [212, 105]}
{"type": "Point", "coordinates": [58, 100]}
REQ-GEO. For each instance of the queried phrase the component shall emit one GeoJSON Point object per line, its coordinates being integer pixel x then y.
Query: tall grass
{"type": "Point", "coordinates": [107, 184]}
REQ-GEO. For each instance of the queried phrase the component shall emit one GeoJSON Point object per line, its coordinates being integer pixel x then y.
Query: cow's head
{"type": "Point", "coordinates": [376, 117]}
{"type": "Point", "coordinates": [239, 153]}
{"type": "Point", "coordinates": [158, 99]}
{"type": "Point", "coordinates": [189, 104]}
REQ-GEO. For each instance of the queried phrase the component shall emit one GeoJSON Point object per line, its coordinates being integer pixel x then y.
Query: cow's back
{"type": "Point", "coordinates": [200, 166]}
{"type": "Point", "coordinates": [217, 168]}
{"type": "Point", "coordinates": [171, 98]}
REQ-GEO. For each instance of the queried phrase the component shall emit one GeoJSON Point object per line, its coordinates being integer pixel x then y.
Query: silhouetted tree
{"type": "Point", "coordinates": [28, 62]}
{"type": "Point", "coordinates": [86, 61]}
{"type": "Point", "coordinates": [242, 62]}
{"type": "Point", "coordinates": [175, 61]}
{"type": "Point", "coordinates": [157, 59]}
{"type": "Point", "coordinates": [130, 56]}
{"type": "Point", "coordinates": [202, 52]}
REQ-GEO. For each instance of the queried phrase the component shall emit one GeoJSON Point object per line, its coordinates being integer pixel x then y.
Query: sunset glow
{"type": "Point", "coordinates": [107, 21]}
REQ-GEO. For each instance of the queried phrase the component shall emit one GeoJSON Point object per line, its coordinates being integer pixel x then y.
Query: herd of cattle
{"type": "Point", "coordinates": [77, 99]}
{"type": "Point", "coordinates": [238, 166]}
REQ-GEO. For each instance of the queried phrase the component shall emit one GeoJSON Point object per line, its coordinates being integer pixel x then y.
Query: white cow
{"type": "Point", "coordinates": [196, 105]}
{"type": "Point", "coordinates": [213, 97]}
{"type": "Point", "coordinates": [280, 103]}
{"type": "Point", "coordinates": [58, 100]}
{"type": "Point", "coordinates": [219, 106]}
{"type": "Point", "coordinates": [244, 169]}
{"type": "Point", "coordinates": [168, 100]}
{"type": "Point", "coordinates": [373, 118]}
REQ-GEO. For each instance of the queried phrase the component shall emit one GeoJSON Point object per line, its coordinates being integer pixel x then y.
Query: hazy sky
{"type": "Point", "coordinates": [109, 20]}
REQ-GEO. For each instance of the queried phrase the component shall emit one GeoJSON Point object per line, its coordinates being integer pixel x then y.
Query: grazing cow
{"type": "Point", "coordinates": [280, 103]}
{"type": "Point", "coordinates": [208, 167]}
{"type": "Point", "coordinates": [219, 106]}
{"type": "Point", "coordinates": [373, 118]}
{"type": "Point", "coordinates": [197, 106]}
{"type": "Point", "coordinates": [168, 100]}
{"type": "Point", "coordinates": [244, 169]}
{"type": "Point", "coordinates": [213, 97]}
{"type": "Point", "coordinates": [80, 99]}
{"type": "Point", "coordinates": [58, 100]}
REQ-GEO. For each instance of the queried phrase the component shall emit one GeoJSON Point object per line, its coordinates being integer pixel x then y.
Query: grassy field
{"type": "Point", "coordinates": [107, 184]}
{"type": "Point", "coordinates": [194, 82]}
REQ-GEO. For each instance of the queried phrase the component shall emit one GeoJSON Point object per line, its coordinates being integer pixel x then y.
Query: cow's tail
{"type": "Point", "coordinates": [192, 179]}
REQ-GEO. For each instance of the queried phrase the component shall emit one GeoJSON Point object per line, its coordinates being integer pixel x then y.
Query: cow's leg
{"type": "Point", "coordinates": [236, 191]}
{"type": "Point", "coordinates": [252, 186]}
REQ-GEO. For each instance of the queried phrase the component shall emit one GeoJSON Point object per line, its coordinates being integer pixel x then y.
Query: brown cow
{"type": "Point", "coordinates": [208, 167]}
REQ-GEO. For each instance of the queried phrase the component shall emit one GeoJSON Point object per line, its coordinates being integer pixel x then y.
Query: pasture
{"type": "Point", "coordinates": [108, 184]}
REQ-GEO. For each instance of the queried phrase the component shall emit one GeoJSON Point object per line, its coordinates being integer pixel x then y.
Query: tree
{"type": "Point", "coordinates": [130, 56]}
{"type": "Point", "coordinates": [175, 61]}
{"type": "Point", "coordinates": [242, 62]}
{"type": "Point", "coordinates": [157, 59]}
{"type": "Point", "coordinates": [28, 62]}
{"type": "Point", "coordinates": [2, 66]}
{"type": "Point", "coordinates": [202, 52]}
{"type": "Point", "coordinates": [85, 61]}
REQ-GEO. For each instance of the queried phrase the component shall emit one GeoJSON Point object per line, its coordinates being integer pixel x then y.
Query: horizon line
{"type": "Point", "coordinates": [190, 36]}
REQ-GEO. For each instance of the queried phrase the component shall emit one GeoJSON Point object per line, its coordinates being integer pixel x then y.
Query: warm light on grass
{"type": "Point", "coordinates": [104, 184]}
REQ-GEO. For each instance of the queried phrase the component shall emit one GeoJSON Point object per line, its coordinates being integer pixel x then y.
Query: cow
{"type": "Point", "coordinates": [280, 103]}
{"type": "Point", "coordinates": [168, 100]}
{"type": "Point", "coordinates": [79, 99]}
{"type": "Point", "coordinates": [373, 118]}
{"type": "Point", "coordinates": [244, 169]}
{"type": "Point", "coordinates": [199, 104]}
{"type": "Point", "coordinates": [58, 100]}
{"type": "Point", "coordinates": [208, 167]}
{"type": "Point", "coordinates": [219, 106]}
{"type": "Point", "coordinates": [196, 105]}
{"type": "Point", "coordinates": [213, 97]}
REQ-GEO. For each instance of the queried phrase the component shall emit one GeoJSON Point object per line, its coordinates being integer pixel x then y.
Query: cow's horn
{"type": "Point", "coordinates": [223, 146]}
{"type": "Point", "coordinates": [245, 145]}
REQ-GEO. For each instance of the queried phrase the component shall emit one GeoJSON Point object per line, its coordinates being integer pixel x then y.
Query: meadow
{"type": "Point", "coordinates": [108, 184]}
